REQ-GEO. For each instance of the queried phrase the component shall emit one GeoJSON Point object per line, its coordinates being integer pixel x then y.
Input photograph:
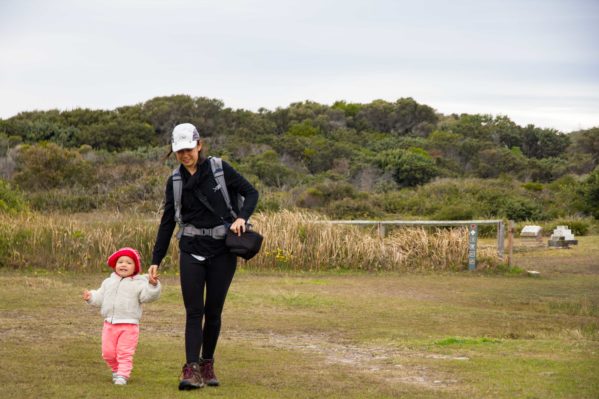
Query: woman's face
{"type": "Point", "coordinates": [189, 157]}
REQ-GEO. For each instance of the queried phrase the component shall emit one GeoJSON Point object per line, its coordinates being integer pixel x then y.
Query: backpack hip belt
{"type": "Point", "coordinates": [218, 232]}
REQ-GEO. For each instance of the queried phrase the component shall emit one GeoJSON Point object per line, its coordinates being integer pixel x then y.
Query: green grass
{"type": "Point", "coordinates": [465, 341]}
{"type": "Point", "coordinates": [327, 335]}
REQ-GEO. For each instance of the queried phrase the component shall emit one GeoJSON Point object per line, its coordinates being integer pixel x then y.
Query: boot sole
{"type": "Point", "coordinates": [185, 386]}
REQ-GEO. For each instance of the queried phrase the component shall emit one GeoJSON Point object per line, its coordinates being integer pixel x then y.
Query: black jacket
{"type": "Point", "coordinates": [195, 213]}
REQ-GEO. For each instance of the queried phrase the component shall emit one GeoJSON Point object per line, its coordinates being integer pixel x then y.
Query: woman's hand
{"type": "Point", "coordinates": [86, 295]}
{"type": "Point", "coordinates": [153, 274]}
{"type": "Point", "coordinates": [238, 226]}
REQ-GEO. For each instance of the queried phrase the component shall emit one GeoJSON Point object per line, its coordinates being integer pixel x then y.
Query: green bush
{"type": "Point", "coordinates": [521, 209]}
{"type": "Point", "coordinates": [46, 166]}
{"type": "Point", "coordinates": [7, 142]}
{"type": "Point", "coordinates": [455, 212]}
{"type": "Point", "coordinates": [532, 186]}
{"type": "Point", "coordinates": [590, 194]}
{"type": "Point", "coordinates": [326, 192]}
{"type": "Point", "coordinates": [354, 208]}
{"type": "Point", "coordinates": [493, 162]}
{"type": "Point", "coordinates": [452, 199]}
{"type": "Point", "coordinates": [577, 226]}
{"type": "Point", "coordinates": [394, 201]}
{"type": "Point", "coordinates": [63, 200]}
{"type": "Point", "coordinates": [11, 200]}
{"type": "Point", "coordinates": [131, 194]}
{"type": "Point", "coordinates": [273, 201]}
{"type": "Point", "coordinates": [409, 167]}
{"type": "Point", "coordinates": [270, 170]}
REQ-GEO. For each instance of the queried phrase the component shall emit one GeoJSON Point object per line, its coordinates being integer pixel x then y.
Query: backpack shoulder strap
{"type": "Point", "coordinates": [177, 192]}
{"type": "Point", "coordinates": [216, 164]}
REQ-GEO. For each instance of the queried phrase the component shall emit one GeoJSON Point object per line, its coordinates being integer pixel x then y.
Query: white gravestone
{"type": "Point", "coordinates": [531, 236]}
{"type": "Point", "coordinates": [562, 236]}
{"type": "Point", "coordinates": [531, 231]}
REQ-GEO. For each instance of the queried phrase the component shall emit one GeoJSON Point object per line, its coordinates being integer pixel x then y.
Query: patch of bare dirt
{"type": "Point", "coordinates": [380, 362]}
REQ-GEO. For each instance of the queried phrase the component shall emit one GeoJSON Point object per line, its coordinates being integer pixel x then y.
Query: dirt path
{"type": "Point", "coordinates": [379, 362]}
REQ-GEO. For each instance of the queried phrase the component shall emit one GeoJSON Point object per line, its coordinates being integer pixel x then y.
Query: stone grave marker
{"type": "Point", "coordinates": [562, 237]}
{"type": "Point", "coordinates": [531, 236]}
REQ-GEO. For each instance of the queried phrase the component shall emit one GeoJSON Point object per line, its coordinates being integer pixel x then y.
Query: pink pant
{"type": "Point", "coordinates": [118, 346]}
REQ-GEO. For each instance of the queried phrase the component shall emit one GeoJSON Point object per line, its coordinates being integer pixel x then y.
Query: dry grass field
{"type": "Point", "coordinates": [328, 334]}
{"type": "Point", "coordinates": [293, 242]}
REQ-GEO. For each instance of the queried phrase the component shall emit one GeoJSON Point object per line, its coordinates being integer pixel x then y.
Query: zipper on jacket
{"type": "Point", "coordinates": [116, 294]}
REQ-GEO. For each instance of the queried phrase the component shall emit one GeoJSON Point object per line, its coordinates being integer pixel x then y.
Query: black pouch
{"type": "Point", "coordinates": [246, 246]}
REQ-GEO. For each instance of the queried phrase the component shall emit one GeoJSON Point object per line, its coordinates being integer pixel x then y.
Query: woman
{"type": "Point", "coordinates": [205, 262]}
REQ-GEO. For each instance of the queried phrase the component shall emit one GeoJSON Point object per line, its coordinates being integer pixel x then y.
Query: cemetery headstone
{"type": "Point", "coordinates": [562, 237]}
{"type": "Point", "coordinates": [531, 236]}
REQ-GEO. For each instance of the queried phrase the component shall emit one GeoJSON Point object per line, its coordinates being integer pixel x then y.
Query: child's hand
{"type": "Point", "coordinates": [153, 275]}
{"type": "Point", "coordinates": [86, 295]}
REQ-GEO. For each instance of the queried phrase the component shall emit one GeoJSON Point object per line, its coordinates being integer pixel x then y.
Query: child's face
{"type": "Point", "coordinates": [125, 266]}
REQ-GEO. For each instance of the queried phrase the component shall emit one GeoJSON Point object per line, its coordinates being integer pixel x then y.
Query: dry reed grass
{"type": "Point", "coordinates": [292, 242]}
{"type": "Point", "coordinates": [81, 242]}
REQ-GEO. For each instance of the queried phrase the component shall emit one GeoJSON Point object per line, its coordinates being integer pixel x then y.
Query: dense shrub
{"type": "Point", "coordinates": [496, 161]}
{"type": "Point", "coordinates": [455, 212]}
{"type": "Point", "coordinates": [316, 153]}
{"type": "Point", "coordinates": [532, 186]}
{"type": "Point", "coordinates": [470, 199]}
{"type": "Point", "coordinates": [520, 209]}
{"type": "Point", "coordinates": [86, 179]}
{"type": "Point", "coordinates": [323, 193]}
{"type": "Point", "coordinates": [354, 208]}
{"type": "Point", "coordinates": [590, 194]}
{"type": "Point", "coordinates": [269, 169]}
{"type": "Point", "coordinates": [409, 167]}
{"type": "Point", "coordinates": [65, 201]}
{"type": "Point", "coordinates": [46, 166]}
{"type": "Point", "coordinates": [11, 200]}
{"type": "Point", "coordinates": [578, 227]}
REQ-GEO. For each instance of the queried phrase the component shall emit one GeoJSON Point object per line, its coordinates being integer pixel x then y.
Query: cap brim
{"type": "Point", "coordinates": [184, 145]}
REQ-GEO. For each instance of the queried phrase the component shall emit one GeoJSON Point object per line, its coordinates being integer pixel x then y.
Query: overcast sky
{"type": "Point", "coordinates": [536, 61]}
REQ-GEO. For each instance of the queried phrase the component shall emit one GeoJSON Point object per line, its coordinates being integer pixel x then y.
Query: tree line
{"type": "Point", "coordinates": [378, 147]}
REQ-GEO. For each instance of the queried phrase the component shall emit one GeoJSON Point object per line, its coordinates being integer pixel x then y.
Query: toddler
{"type": "Point", "coordinates": [120, 297]}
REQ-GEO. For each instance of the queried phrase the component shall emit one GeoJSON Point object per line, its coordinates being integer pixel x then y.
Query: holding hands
{"type": "Point", "coordinates": [153, 275]}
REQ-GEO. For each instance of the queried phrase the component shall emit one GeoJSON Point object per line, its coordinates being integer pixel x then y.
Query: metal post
{"type": "Point", "coordinates": [510, 243]}
{"type": "Point", "coordinates": [501, 239]}
{"type": "Point", "coordinates": [381, 230]}
{"type": "Point", "coordinates": [472, 239]}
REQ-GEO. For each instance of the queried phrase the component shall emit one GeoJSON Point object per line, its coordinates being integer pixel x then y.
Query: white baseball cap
{"type": "Point", "coordinates": [185, 136]}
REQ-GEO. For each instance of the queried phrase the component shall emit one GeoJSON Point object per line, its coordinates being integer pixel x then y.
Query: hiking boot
{"type": "Point", "coordinates": [207, 371]}
{"type": "Point", "coordinates": [191, 378]}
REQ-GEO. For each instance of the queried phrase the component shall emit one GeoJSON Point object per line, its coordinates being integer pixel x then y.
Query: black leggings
{"type": "Point", "coordinates": [215, 274]}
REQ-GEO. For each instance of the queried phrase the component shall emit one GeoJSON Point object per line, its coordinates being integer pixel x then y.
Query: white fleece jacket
{"type": "Point", "coordinates": [121, 298]}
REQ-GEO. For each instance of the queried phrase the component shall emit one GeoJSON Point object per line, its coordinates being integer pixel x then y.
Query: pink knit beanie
{"type": "Point", "coordinates": [130, 252]}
